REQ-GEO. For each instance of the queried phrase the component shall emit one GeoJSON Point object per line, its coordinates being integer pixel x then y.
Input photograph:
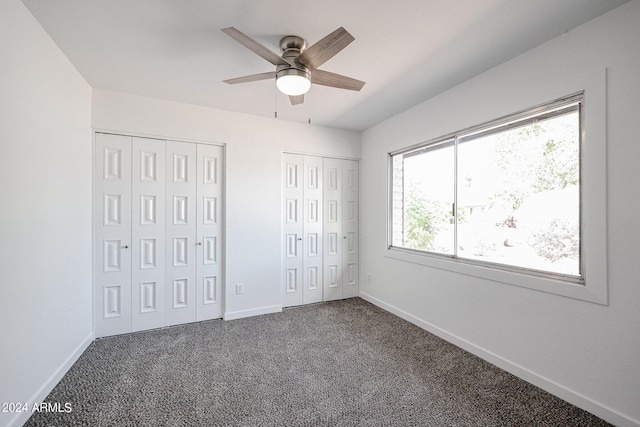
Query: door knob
{"type": "Point", "coordinates": [125, 247]}
{"type": "Point", "coordinates": [199, 243]}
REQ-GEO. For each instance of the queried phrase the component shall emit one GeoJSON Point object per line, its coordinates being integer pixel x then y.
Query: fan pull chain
{"type": "Point", "coordinates": [309, 106]}
{"type": "Point", "coordinates": [275, 101]}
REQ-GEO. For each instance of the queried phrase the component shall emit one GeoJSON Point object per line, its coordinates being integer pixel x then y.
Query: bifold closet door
{"type": "Point", "coordinates": [292, 196]}
{"type": "Point", "coordinates": [333, 250]}
{"type": "Point", "coordinates": [302, 229]}
{"type": "Point", "coordinates": [209, 232]}
{"type": "Point", "coordinates": [350, 227]}
{"type": "Point", "coordinates": [319, 228]}
{"type": "Point", "coordinates": [180, 279]}
{"type": "Point", "coordinates": [341, 226]}
{"type": "Point", "coordinates": [148, 234]}
{"type": "Point", "coordinates": [112, 238]}
{"type": "Point", "coordinates": [158, 233]}
{"type": "Point", "coordinates": [193, 232]}
{"type": "Point", "coordinates": [312, 214]}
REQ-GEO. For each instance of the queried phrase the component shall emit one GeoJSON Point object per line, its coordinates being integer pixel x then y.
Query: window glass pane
{"type": "Point", "coordinates": [422, 210]}
{"type": "Point", "coordinates": [519, 196]}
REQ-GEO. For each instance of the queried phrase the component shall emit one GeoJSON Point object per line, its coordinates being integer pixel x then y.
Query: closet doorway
{"type": "Point", "coordinates": [157, 233]}
{"type": "Point", "coordinates": [319, 229]}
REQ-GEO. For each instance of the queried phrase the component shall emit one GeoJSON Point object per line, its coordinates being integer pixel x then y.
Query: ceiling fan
{"type": "Point", "coordinates": [297, 67]}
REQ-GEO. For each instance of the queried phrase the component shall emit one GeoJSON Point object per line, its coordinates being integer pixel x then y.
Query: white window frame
{"type": "Point", "coordinates": [593, 285]}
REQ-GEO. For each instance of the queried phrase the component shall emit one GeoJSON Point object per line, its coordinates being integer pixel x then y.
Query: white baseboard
{"type": "Point", "coordinates": [44, 390]}
{"type": "Point", "coordinates": [571, 396]}
{"type": "Point", "coordinates": [232, 315]}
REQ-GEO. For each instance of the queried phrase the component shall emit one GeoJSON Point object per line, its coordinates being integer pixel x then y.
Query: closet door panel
{"type": "Point", "coordinates": [180, 268]}
{"type": "Point", "coordinates": [312, 271]}
{"type": "Point", "coordinates": [209, 232]}
{"type": "Point", "coordinates": [112, 239]}
{"type": "Point", "coordinates": [292, 228]}
{"type": "Point", "coordinates": [333, 237]}
{"type": "Point", "coordinates": [350, 227]}
{"type": "Point", "coordinates": [148, 234]}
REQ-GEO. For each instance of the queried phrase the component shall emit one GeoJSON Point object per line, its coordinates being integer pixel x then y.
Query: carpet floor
{"type": "Point", "coordinates": [343, 363]}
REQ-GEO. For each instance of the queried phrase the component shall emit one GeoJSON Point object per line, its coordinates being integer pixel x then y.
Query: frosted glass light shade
{"type": "Point", "coordinates": [293, 82]}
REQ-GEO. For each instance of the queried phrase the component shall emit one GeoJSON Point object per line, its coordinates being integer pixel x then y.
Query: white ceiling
{"type": "Point", "coordinates": [406, 50]}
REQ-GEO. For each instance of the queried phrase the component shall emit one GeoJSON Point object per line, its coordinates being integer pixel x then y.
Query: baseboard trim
{"type": "Point", "coordinates": [232, 315]}
{"type": "Point", "coordinates": [41, 394]}
{"type": "Point", "coordinates": [571, 396]}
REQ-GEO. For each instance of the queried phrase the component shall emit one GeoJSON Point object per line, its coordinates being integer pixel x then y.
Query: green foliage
{"type": "Point", "coordinates": [536, 158]}
{"type": "Point", "coordinates": [559, 166]}
{"type": "Point", "coordinates": [421, 219]}
{"type": "Point", "coordinates": [515, 160]}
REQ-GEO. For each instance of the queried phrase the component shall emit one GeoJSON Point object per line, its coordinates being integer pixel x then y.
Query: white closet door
{"type": "Point", "coordinates": [333, 245]}
{"type": "Point", "coordinates": [180, 233]}
{"type": "Point", "coordinates": [292, 226]}
{"type": "Point", "coordinates": [148, 234]}
{"type": "Point", "coordinates": [112, 238]}
{"type": "Point", "coordinates": [350, 226]}
{"type": "Point", "coordinates": [209, 232]}
{"type": "Point", "coordinates": [312, 230]}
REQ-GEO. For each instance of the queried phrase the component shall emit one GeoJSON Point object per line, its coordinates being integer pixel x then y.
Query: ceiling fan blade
{"type": "Point", "coordinates": [327, 78]}
{"type": "Point", "coordinates": [254, 46]}
{"type": "Point", "coordinates": [252, 78]}
{"type": "Point", "coordinates": [324, 49]}
{"type": "Point", "coordinates": [295, 100]}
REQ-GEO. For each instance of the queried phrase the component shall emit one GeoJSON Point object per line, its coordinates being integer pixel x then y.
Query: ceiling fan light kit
{"type": "Point", "coordinates": [293, 82]}
{"type": "Point", "coordinates": [297, 68]}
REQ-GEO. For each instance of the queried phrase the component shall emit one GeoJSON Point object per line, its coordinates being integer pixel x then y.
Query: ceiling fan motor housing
{"type": "Point", "coordinates": [294, 43]}
{"type": "Point", "coordinates": [292, 47]}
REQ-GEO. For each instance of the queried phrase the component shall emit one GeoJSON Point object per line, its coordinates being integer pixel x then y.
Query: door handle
{"type": "Point", "coordinates": [199, 243]}
{"type": "Point", "coordinates": [125, 247]}
{"type": "Point", "coordinates": [299, 238]}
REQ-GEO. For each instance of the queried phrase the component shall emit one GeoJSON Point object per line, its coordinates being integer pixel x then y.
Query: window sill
{"type": "Point", "coordinates": [572, 287]}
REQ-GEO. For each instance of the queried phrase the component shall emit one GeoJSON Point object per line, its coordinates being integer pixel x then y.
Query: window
{"type": "Point", "coordinates": [506, 194]}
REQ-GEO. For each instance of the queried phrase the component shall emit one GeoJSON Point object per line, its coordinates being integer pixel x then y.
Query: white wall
{"type": "Point", "coordinates": [253, 197]}
{"type": "Point", "coordinates": [45, 188]}
{"type": "Point", "coordinates": [587, 353]}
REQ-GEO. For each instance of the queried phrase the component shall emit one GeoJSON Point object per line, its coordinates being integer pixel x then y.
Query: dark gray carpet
{"type": "Point", "coordinates": [344, 363]}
